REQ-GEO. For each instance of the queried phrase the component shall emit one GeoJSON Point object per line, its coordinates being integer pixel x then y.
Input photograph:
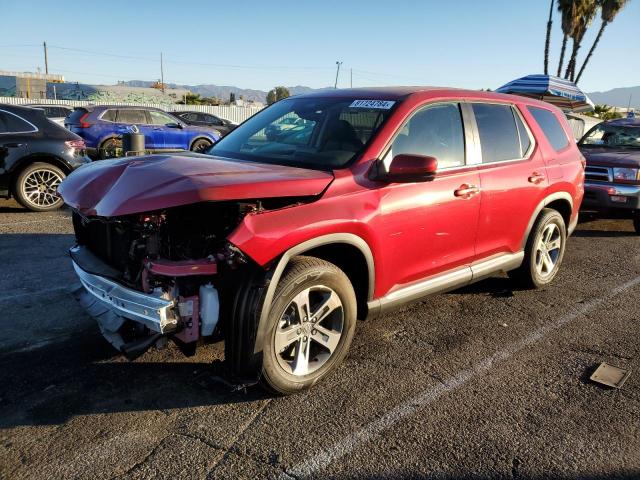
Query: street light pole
{"type": "Point", "coordinates": [46, 60]}
{"type": "Point", "coordinates": [335, 85]}
{"type": "Point", "coordinates": [161, 74]}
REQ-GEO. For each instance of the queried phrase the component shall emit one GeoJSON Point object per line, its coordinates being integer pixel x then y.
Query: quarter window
{"type": "Point", "coordinates": [435, 131]}
{"type": "Point", "coordinates": [525, 140]}
{"type": "Point", "coordinates": [499, 137]}
{"type": "Point", "coordinates": [109, 116]}
{"type": "Point", "coordinates": [551, 127]}
{"type": "Point", "coordinates": [10, 123]}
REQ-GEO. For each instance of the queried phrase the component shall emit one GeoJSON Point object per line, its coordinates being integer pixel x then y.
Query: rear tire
{"type": "Point", "coordinates": [201, 145]}
{"type": "Point", "coordinates": [544, 251]}
{"type": "Point", "coordinates": [36, 187]}
{"type": "Point", "coordinates": [110, 148]}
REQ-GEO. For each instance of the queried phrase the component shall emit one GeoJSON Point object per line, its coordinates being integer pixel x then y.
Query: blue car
{"type": "Point", "coordinates": [102, 128]}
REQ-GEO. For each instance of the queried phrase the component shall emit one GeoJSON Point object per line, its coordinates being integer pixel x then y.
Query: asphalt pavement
{"type": "Point", "coordinates": [485, 382]}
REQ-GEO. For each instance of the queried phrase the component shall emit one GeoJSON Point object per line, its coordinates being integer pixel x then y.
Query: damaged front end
{"type": "Point", "coordinates": [148, 277]}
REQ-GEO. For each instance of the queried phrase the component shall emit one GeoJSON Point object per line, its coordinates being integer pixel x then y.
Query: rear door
{"type": "Point", "coordinates": [14, 134]}
{"type": "Point", "coordinates": [513, 177]}
{"type": "Point", "coordinates": [128, 117]}
{"type": "Point", "coordinates": [430, 227]}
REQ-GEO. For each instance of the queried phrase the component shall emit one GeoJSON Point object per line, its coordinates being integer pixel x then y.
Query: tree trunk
{"type": "Point", "coordinates": [568, 74]}
{"type": "Point", "coordinates": [593, 47]}
{"type": "Point", "coordinates": [548, 40]}
{"type": "Point", "coordinates": [562, 50]}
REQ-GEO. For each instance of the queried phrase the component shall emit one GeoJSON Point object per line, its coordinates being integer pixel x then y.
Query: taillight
{"type": "Point", "coordinates": [77, 144]}
{"type": "Point", "coordinates": [84, 124]}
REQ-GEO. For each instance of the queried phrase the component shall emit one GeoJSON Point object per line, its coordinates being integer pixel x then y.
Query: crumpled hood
{"type": "Point", "coordinates": [124, 186]}
{"type": "Point", "coordinates": [607, 157]}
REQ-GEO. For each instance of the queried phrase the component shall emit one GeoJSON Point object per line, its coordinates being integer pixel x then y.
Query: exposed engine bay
{"type": "Point", "coordinates": [161, 274]}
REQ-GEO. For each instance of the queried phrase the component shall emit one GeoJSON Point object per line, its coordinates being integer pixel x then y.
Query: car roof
{"type": "Point", "coordinates": [625, 122]}
{"type": "Point", "coordinates": [402, 92]}
{"type": "Point", "coordinates": [21, 109]}
{"type": "Point", "coordinates": [47, 105]}
{"type": "Point", "coordinates": [91, 108]}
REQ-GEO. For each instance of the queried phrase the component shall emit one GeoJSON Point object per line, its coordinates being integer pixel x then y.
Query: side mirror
{"type": "Point", "coordinates": [408, 168]}
{"type": "Point", "coordinates": [173, 125]}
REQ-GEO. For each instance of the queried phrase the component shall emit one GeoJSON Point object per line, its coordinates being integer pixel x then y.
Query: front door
{"type": "Point", "coordinates": [174, 137]}
{"type": "Point", "coordinates": [430, 227]}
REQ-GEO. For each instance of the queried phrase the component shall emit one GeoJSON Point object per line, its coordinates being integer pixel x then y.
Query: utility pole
{"type": "Point", "coordinates": [46, 60]}
{"type": "Point", "coordinates": [352, 78]}
{"type": "Point", "coordinates": [161, 74]}
{"type": "Point", "coordinates": [337, 73]}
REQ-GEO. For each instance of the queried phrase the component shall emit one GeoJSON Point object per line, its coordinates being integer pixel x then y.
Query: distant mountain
{"type": "Point", "coordinates": [618, 97]}
{"type": "Point", "coordinates": [221, 91]}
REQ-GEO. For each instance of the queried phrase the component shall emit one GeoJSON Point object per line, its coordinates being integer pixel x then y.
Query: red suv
{"type": "Point", "coordinates": [380, 197]}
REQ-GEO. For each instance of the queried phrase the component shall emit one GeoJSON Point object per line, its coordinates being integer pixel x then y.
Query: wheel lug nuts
{"type": "Point", "coordinates": [314, 331]}
{"type": "Point", "coordinates": [305, 338]}
{"type": "Point", "coordinates": [299, 331]}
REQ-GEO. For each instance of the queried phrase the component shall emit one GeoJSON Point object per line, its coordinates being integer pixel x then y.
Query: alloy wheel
{"type": "Point", "coordinates": [548, 250]}
{"type": "Point", "coordinates": [40, 188]}
{"type": "Point", "coordinates": [309, 331]}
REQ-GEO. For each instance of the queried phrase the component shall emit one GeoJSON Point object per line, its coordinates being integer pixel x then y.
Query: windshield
{"type": "Point", "coordinates": [323, 133]}
{"type": "Point", "coordinates": [613, 136]}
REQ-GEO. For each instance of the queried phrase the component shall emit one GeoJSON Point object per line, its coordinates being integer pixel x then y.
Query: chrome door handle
{"type": "Point", "coordinates": [536, 178]}
{"type": "Point", "coordinates": [466, 191]}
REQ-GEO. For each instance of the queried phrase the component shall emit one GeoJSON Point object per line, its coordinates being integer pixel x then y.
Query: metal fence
{"type": "Point", "coordinates": [233, 113]}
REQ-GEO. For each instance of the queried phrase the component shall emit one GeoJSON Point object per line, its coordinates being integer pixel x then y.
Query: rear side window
{"type": "Point", "coordinates": [131, 116]}
{"type": "Point", "coordinates": [10, 123]}
{"type": "Point", "coordinates": [525, 140]}
{"type": "Point", "coordinates": [499, 137]}
{"type": "Point", "coordinates": [109, 116]}
{"type": "Point", "coordinates": [551, 127]}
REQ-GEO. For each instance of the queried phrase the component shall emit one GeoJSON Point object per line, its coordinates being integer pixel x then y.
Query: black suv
{"type": "Point", "coordinates": [35, 156]}
{"type": "Point", "coordinates": [202, 119]}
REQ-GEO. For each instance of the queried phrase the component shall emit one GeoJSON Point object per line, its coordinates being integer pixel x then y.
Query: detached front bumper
{"type": "Point", "coordinates": [153, 311]}
{"type": "Point", "coordinates": [611, 196]}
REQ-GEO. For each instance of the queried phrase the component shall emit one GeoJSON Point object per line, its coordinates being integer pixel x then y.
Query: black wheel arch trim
{"type": "Point", "coordinates": [332, 238]}
{"type": "Point", "coordinates": [564, 196]}
{"type": "Point", "coordinates": [200, 137]}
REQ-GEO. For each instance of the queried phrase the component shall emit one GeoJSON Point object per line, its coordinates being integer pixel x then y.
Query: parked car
{"type": "Point", "coordinates": [203, 119]}
{"type": "Point", "coordinates": [102, 128]}
{"type": "Point", "coordinates": [612, 152]}
{"type": "Point", "coordinates": [279, 247]}
{"type": "Point", "coordinates": [55, 113]}
{"type": "Point", "coordinates": [35, 156]}
{"type": "Point", "coordinates": [285, 126]}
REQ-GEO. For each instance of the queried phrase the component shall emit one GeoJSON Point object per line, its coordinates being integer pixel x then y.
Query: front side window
{"type": "Point", "coordinates": [10, 123]}
{"type": "Point", "coordinates": [435, 131]}
{"type": "Point", "coordinates": [612, 136]}
{"type": "Point", "coordinates": [131, 116]}
{"type": "Point", "coordinates": [159, 118]}
{"type": "Point", "coordinates": [323, 132]}
{"type": "Point", "coordinates": [551, 127]}
{"type": "Point", "coordinates": [499, 138]}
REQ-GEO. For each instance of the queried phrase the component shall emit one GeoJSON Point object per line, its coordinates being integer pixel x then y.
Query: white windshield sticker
{"type": "Point", "coordinates": [380, 104]}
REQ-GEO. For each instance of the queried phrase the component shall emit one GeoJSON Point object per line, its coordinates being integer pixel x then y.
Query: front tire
{"type": "Point", "coordinates": [36, 187]}
{"type": "Point", "coordinates": [308, 332]}
{"type": "Point", "coordinates": [544, 251]}
{"type": "Point", "coordinates": [201, 145]}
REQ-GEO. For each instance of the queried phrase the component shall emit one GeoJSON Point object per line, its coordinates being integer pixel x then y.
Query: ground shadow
{"type": "Point", "coordinates": [603, 233]}
{"type": "Point", "coordinates": [518, 471]}
{"type": "Point", "coordinates": [497, 287]}
{"type": "Point", "coordinates": [82, 376]}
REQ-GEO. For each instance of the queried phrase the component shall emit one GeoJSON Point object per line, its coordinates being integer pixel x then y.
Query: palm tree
{"type": "Point", "coordinates": [585, 11]}
{"type": "Point", "coordinates": [566, 9]}
{"type": "Point", "coordinates": [608, 11]}
{"type": "Point", "coordinates": [548, 40]}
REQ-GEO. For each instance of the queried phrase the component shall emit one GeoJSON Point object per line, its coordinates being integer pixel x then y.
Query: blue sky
{"type": "Point", "coordinates": [260, 44]}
